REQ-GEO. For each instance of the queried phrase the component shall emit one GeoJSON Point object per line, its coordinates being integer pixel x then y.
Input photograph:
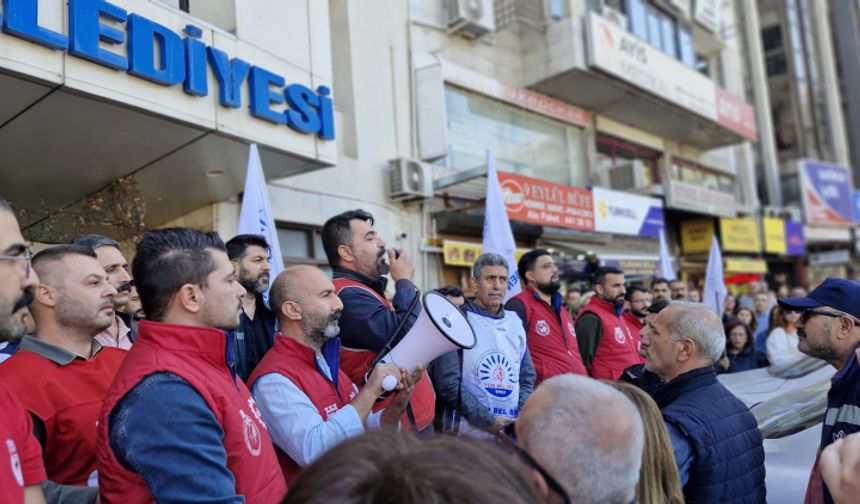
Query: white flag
{"type": "Point", "coordinates": [498, 237]}
{"type": "Point", "coordinates": [715, 293]}
{"type": "Point", "coordinates": [256, 214]}
{"type": "Point", "coordinates": [666, 269]}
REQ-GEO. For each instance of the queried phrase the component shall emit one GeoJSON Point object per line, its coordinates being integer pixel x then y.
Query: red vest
{"type": "Point", "coordinates": [20, 454]}
{"type": "Point", "coordinates": [68, 400]}
{"type": "Point", "coordinates": [197, 354]}
{"type": "Point", "coordinates": [354, 363]}
{"type": "Point", "coordinates": [633, 323]}
{"type": "Point", "coordinates": [552, 344]}
{"type": "Point", "coordinates": [297, 362]}
{"type": "Point", "coordinates": [619, 346]}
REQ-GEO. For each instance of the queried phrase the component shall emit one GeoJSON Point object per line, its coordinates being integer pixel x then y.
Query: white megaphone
{"type": "Point", "coordinates": [440, 328]}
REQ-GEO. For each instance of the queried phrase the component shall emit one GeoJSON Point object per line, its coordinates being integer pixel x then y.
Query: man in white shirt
{"type": "Point", "coordinates": [308, 403]}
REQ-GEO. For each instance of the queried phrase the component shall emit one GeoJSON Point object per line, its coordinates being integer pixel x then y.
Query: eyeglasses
{"type": "Point", "coordinates": [507, 436]}
{"type": "Point", "coordinates": [26, 257]}
{"type": "Point", "coordinates": [805, 315]}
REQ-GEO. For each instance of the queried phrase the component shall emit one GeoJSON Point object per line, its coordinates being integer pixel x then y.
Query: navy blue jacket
{"type": "Point", "coordinates": [843, 407]}
{"type": "Point", "coordinates": [258, 338]}
{"type": "Point", "coordinates": [728, 457]}
{"type": "Point", "coordinates": [748, 358]}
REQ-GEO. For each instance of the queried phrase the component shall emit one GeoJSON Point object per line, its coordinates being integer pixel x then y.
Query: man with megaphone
{"type": "Point", "coordinates": [488, 383]}
{"type": "Point", "coordinates": [309, 404]}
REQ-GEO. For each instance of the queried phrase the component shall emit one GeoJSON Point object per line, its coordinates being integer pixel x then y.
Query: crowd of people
{"type": "Point", "coordinates": [193, 376]}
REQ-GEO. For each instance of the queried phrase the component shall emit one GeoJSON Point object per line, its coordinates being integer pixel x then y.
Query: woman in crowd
{"type": "Point", "coordinates": [741, 354]}
{"type": "Point", "coordinates": [729, 307]}
{"type": "Point", "coordinates": [659, 482]}
{"type": "Point", "coordinates": [782, 341]}
{"type": "Point", "coordinates": [747, 316]}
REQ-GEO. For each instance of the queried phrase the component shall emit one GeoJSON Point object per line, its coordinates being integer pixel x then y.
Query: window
{"type": "Point", "coordinates": [637, 17]}
{"type": "Point", "coordinates": [708, 178]}
{"type": "Point", "coordinates": [660, 29]}
{"type": "Point", "coordinates": [302, 245]}
{"type": "Point", "coordinates": [613, 152]}
{"type": "Point", "coordinates": [686, 49]}
{"type": "Point", "coordinates": [521, 141]}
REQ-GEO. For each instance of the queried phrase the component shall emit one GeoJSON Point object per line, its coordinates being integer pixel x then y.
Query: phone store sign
{"type": "Point", "coordinates": [158, 54]}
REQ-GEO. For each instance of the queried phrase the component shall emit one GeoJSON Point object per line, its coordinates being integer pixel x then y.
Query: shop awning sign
{"type": "Point", "coordinates": [774, 235]}
{"type": "Point", "coordinates": [827, 193]}
{"type": "Point", "coordinates": [744, 265]}
{"type": "Point", "coordinates": [696, 235]}
{"type": "Point", "coordinates": [460, 253]}
{"type": "Point", "coordinates": [546, 203]}
{"type": "Point", "coordinates": [627, 214]}
{"type": "Point", "coordinates": [795, 242]}
{"type": "Point", "coordinates": [856, 206]}
{"type": "Point", "coordinates": [740, 235]}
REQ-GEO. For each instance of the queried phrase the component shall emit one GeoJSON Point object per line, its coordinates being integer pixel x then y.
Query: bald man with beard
{"type": "Point", "coordinates": [309, 404]}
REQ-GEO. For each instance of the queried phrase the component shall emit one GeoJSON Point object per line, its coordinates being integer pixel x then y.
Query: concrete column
{"type": "Point", "coordinates": [748, 13]}
{"type": "Point", "coordinates": [830, 80]}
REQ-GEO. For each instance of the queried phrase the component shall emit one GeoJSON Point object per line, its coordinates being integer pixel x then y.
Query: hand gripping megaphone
{"type": "Point", "coordinates": [440, 328]}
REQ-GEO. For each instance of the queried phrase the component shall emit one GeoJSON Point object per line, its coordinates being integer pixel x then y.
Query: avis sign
{"type": "Point", "coordinates": [546, 203]}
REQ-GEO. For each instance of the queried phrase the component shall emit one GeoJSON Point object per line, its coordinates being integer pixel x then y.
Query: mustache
{"type": "Point", "coordinates": [24, 301]}
{"type": "Point", "coordinates": [126, 287]}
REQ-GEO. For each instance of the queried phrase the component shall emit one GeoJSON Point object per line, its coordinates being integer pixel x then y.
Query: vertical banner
{"type": "Point", "coordinates": [255, 216]}
{"type": "Point", "coordinates": [827, 193]}
{"type": "Point", "coordinates": [666, 269]}
{"type": "Point", "coordinates": [714, 295]}
{"type": "Point", "coordinates": [498, 237]}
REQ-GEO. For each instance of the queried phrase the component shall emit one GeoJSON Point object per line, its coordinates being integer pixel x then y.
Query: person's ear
{"type": "Point", "coordinates": [345, 253]}
{"type": "Point", "coordinates": [473, 284]}
{"type": "Point", "coordinates": [45, 295]}
{"type": "Point", "coordinates": [530, 276]}
{"type": "Point", "coordinates": [540, 483]}
{"type": "Point", "coordinates": [687, 349]}
{"type": "Point", "coordinates": [291, 310]}
{"type": "Point", "coordinates": [190, 297]}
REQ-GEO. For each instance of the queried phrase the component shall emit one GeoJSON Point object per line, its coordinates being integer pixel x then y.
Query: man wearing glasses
{"type": "Point", "coordinates": [828, 329]}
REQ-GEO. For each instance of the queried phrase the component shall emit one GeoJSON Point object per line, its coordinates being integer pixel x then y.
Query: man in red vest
{"type": "Point", "coordinates": [549, 328]}
{"type": "Point", "coordinates": [62, 374]}
{"type": "Point", "coordinates": [606, 343]}
{"type": "Point", "coordinates": [369, 322]}
{"type": "Point", "coordinates": [177, 425]}
{"type": "Point", "coordinates": [636, 303]}
{"type": "Point", "coordinates": [21, 467]}
{"type": "Point", "coordinates": [308, 402]}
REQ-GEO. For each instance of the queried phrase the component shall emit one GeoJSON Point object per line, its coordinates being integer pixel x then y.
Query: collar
{"type": "Point", "coordinates": [685, 382]}
{"type": "Point", "coordinates": [330, 353]}
{"type": "Point", "coordinates": [207, 343]}
{"type": "Point", "coordinates": [474, 308]}
{"type": "Point", "coordinates": [555, 299]}
{"type": "Point", "coordinates": [849, 367]}
{"type": "Point", "coordinates": [606, 304]}
{"type": "Point", "coordinates": [54, 353]}
{"type": "Point", "coordinates": [378, 284]}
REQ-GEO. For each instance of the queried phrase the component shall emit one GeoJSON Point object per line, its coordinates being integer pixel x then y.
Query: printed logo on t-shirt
{"type": "Point", "coordinates": [619, 335]}
{"type": "Point", "coordinates": [495, 374]}
{"type": "Point", "coordinates": [253, 438]}
{"type": "Point", "coordinates": [571, 328]}
{"type": "Point", "coordinates": [330, 409]}
{"type": "Point", "coordinates": [542, 327]}
{"type": "Point", "coordinates": [15, 462]}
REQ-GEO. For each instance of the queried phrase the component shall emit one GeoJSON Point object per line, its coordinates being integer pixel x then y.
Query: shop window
{"type": "Point", "coordinates": [302, 245]}
{"type": "Point", "coordinates": [696, 174]}
{"type": "Point", "coordinates": [521, 141]}
{"type": "Point", "coordinates": [624, 165]}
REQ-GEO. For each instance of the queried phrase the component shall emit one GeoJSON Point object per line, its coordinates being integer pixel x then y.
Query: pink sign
{"type": "Point", "coordinates": [547, 106]}
{"type": "Point", "coordinates": [736, 114]}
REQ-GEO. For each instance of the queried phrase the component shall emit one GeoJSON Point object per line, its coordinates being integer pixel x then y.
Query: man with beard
{"type": "Point", "coordinates": [62, 374]}
{"type": "Point", "coordinates": [549, 327]}
{"type": "Point", "coordinates": [177, 425]}
{"type": "Point", "coordinates": [678, 289]}
{"type": "Point", "coordinates": [607, 345]}
{"type": "Point", "coordinates": [487, 384]}
{"type": "Point", "coordinates": [369, 322]}
{"type": "Point", "coordinates": [134, 309]}
{"type": "Point", "coordinates": [308, 402]}
{"type": "Point", "coordinates": [118, 335]}
{"type": "Point", "coordinates": [637, 300]}
{"type": "Point", "coordinates": [660, 289]}
{"type": "Point", "coordinates": [828, 329]}
{"type": "Point", "coordinates": [256, 332]}
{"type": "Point", "coordinates": [22, 472]}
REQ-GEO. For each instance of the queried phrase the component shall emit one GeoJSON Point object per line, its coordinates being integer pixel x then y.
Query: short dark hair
{"type": "Point", "coordinates": [450, 291]}
{"type": "Point", "coordinates": [337, 231]}
{"type": "Point", "coordinates": [659, 280]}
{"type": "Point", "coordinates": [166, 259]}
{"type": "Point", "coordinates": [5, 205]}
{"type": "Point", "coordinates": [658, 306]}
{"type": "Point", "coordinates": [527, 262]}
{"type": "Point", "coordinates": [95, 241]}
{"type": "Point", "coordinates": [599, 275]}
{"type": "Point", "coordinates": [677, 281]}
{"type": "Point", "coordinates": [237, 245]}
{"type": "Point", "coordinates": [634, 287]}
{"type": "Point", "coordinates": [55, 254]}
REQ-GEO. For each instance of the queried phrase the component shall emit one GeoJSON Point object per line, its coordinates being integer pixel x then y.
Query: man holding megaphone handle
{"type": "Point", "coordinates": [309, 404]}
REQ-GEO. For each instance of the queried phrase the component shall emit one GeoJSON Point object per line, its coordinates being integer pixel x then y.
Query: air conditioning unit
{"type": "Point", "coordinates": [624, 176]}
{"type": "Point", "coordinates": [409, 179]}
{"type": "Point", "coordinates": [615, 17]}
{"type": "Point", "coordinates": [471, 18]}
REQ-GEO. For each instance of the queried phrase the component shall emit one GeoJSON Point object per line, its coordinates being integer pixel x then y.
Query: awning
{"type": "Point", "coordinates": [744, 265]}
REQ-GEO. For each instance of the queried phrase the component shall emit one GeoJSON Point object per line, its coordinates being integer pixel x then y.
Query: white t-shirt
{"type": "Point", "coordinates": [782, 347]}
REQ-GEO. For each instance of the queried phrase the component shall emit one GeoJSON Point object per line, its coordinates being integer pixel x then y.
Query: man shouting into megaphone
{"type": "Point", "coordinates": [308, 403]}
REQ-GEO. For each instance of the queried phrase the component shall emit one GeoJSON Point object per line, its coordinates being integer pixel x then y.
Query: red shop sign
{"type": "Point", "coordinates": [546, 203]}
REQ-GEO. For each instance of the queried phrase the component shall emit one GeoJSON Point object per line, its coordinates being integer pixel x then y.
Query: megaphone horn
{"type": "Point", "coordinates": [440, 328]}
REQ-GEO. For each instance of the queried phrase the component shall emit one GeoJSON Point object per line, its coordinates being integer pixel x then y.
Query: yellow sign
{"type": "Point", "coordinates": [774, 235]}
{"type": "Point", "coordinates": [744, 265]}
{"type": "Point", "coordinates": [696, 236]}
{"type": "Point", "coordinates": [740, 235]}
{"type": "Point", "coordinates": [457, 253]}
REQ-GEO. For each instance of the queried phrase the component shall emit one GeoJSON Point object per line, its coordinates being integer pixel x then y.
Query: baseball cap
{"type": "Point", "coordinates": [834, 292]}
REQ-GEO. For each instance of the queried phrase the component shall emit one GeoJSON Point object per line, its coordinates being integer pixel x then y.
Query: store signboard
{"type": "Point", "coordinates": [827, 193]}
{"type": "Point", "coordinates": [543, 104]}
{"type": "Point", "coordinates": [546, 203]}
{"type": "Point", "coordinates": [623, 213]}
{"type": "Point", "coordinates": [856, 207]}
{"type": "Point", "coordinates": [686, 196]}
{"type": "Point", "coordinates": [740, 235]}
{"type": "Point", "coordinates": [460, 253]}
{"type": "Point", "coordinates": [613, 50]}
{"type": "Point", "coordinates": [795, 242]}
{"type": "Point", "coordinates": [696, 236]}
{"type": "Point", "coordinates": [774, 235]}
{"type": "Point", "coordinates": [634, 267]}
{"type": "Point", "coordinates": [829, 257]}
{"type": "Point", "coordinates": [744, 265]}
